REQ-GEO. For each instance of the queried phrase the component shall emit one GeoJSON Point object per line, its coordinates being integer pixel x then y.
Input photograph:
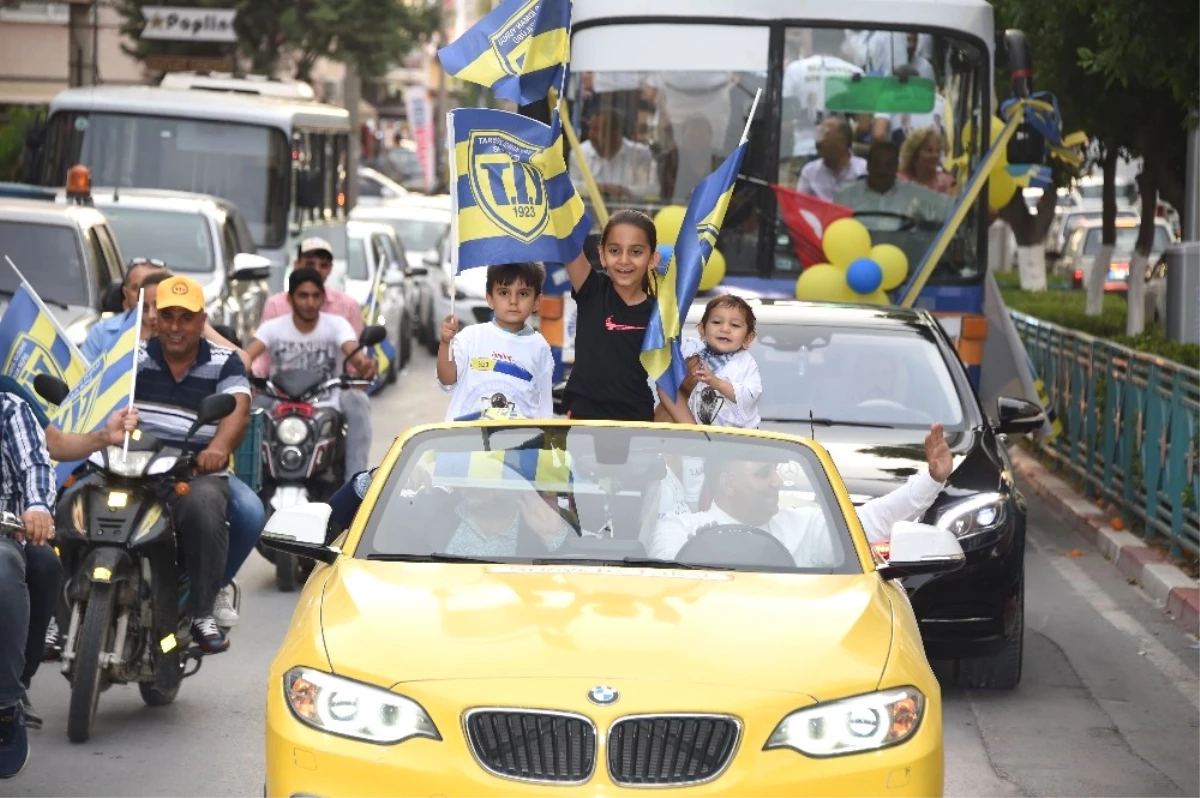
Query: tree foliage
{"type": "Point", "coordinates": [372, 34]}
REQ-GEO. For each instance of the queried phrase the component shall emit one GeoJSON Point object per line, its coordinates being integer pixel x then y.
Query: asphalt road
{"type": "Point", "coordinates": [1108, 704]}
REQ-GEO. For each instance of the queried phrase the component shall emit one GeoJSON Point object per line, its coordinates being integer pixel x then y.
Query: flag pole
{"type": "Point", "coordinates": [452, 174]}
{"type": "Point", "coordinates": [750, 119]}
{"type": "Point", "coordinates": [589, 181]}
{"type": "Point", "coordinates": [137, 342]}
{"type": "Point", "coordinates": [37, 300]}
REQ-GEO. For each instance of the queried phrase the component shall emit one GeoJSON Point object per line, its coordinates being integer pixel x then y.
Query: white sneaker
{"type": "Point", "coordinates": [225, 610]}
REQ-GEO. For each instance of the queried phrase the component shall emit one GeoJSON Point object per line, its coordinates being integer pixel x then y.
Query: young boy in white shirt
{"type": "Point", "coordinates": [505, 355]}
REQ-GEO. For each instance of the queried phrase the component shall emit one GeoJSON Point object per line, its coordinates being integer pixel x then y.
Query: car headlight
{"type": "Point", "coordinates": [852, 725]}
{"type": "Point", "coordinates": [126, 464]}
{"type": "Point", "coordinates": [974, 516]}
{"type": "Point", "coordinates": [353, 709]}
{"type": "Point", "coordinates": [292, 431]}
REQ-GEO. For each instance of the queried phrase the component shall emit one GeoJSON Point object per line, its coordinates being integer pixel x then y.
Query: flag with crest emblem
{"type": "Point", "coordinates": [31, 343]}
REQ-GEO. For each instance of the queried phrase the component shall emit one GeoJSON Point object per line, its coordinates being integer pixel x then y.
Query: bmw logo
{"type": "Point", "coordinates": [603, 695]}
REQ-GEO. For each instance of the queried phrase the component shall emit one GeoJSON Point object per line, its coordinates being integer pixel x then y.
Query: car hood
{"type": "Point", "coordinates": [389, 623]}
{"type": "Point", "coordinates": [873, 461]}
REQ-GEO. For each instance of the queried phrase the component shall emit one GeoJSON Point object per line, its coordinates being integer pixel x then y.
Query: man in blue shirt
{"type": "Point", "coordinates": [177, 370]}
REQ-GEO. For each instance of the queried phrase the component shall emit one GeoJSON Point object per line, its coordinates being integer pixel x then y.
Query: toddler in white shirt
{"type": "Point", "coordinates": [720, 360]}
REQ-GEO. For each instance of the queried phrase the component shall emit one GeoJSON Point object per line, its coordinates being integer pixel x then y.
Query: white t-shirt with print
{"type": "Point", "coordinates": [319, 351]}
{"type": "Point", "coordinates": [742, 372]}
{"type": "Point", "coordinates": [491, 360]}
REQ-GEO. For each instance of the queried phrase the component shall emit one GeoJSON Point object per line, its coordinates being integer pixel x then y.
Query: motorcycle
{"type": "Point", "coordinates": [303, 450]}
{"type": "Point", "coordinates": [125, 586]}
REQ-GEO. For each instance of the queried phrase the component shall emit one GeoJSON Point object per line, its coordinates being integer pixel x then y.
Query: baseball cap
{"type": "Point", "coordinates": [314, 244]}
{"type": "Point", "coordinates": [180, 292]}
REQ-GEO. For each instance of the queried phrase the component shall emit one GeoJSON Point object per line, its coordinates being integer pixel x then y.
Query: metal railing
{"type": "Point", "coordinates": [1130, 426]}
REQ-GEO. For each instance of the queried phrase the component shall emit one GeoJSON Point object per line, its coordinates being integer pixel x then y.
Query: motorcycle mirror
{"type": "Point", "coordinates": [213, 408]}
{"type": "Point", "coordinates": [52, 389]}
{"type": "Point", "coordinates": [372, 336]}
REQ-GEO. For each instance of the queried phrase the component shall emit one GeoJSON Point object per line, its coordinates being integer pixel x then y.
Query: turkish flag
{"type": "Point", "coordinates": [807, 218]}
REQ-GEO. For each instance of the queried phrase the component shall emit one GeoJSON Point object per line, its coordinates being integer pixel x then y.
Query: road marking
{"type": "Point", "coordinates": [1172, 667]}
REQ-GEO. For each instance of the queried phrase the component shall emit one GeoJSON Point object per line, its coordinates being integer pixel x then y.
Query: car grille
{"type": "Point", "coordinates": [659, 750]}
{"type": "Point", "coordinates": [552, 747]}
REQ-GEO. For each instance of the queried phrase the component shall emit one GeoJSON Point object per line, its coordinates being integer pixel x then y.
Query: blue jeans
{"type": "Point", "coordinates": [247, 516]}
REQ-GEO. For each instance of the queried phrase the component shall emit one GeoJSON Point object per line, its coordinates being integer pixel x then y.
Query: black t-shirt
{"type": "Point", "coordinates": [608, 380]}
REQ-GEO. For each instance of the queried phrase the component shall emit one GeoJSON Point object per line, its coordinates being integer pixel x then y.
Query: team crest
{"type": "Point", "coordinates": [510, 43]}
{"type": "Point", "coordinates": [29, 357]}
{"type": "Point", "coordinates": [76, 410]}
{"type": "Point", "coordinates": [509, 189]}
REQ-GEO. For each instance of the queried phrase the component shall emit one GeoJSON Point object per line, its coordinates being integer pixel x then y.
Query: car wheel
{"type": "Point", "coordinates": [406, 340]}
{"type": "Point", "coordinates": [434, 339]}
{"type": "Point", "coordinates": [1002, 670]}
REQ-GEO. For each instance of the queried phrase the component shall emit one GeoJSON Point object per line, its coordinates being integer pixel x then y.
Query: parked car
{"type": "Point", "coordinates": [361, 251]}
{"type": "Point", "coordinates": [469, 292]}
{"type": "Point", "coordinates": [1068, 221]}
{"type": "Point", "coordinates": [1084, 245]}
{"type": "Point", "coordinates": [376, 188]}
{"type": "Point", "coordinates": [199, 236]}
{"type": "Point", "coordinates": [420, 222]}
{"type": "Point", "coordinates": [866, 383]}
{"type": "Point", "coordinates": [402, 164]}
{"type": "Point", "coordinates": [67, 252]}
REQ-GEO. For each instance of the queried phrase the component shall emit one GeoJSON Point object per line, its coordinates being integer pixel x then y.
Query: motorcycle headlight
{"type": "Point", "coordinates": [852, 725]}
{"type": "Point", "coordinates": [123, 464]}
{"type": "Point", "coordinates": [292, 431]}
{"type": "Point", "coordinates": [974, 516]}
{"type": "Point", "coordinates": [353, 709]}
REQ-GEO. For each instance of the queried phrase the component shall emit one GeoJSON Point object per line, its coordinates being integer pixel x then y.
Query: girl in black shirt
{"type": "Point", "coordinates": [608, 380]}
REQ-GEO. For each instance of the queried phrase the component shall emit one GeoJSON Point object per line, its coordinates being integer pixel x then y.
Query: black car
{"type": "Point", "coordinates": [867, 382]}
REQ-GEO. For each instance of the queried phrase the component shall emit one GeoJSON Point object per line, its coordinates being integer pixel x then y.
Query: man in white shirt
{"type": "Point", "coordinates": [838, 166]}
{"type": "Point", "coordinates": [881, 192]}
{"type": "Point", "coordinates": [310, 340]}
{"type": "Point", "coordinates": [623, 169]}
{"type": "Point", "coordinates": [747, 494]}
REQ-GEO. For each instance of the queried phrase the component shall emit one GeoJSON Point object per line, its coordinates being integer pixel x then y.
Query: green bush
{"type": "Point", "coordinates": [17, 120]}
{"type": "Point", "coordinates": [1068, 308]}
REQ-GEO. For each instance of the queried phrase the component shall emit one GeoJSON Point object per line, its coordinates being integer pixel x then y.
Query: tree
{"type": "Point", "coordinates": [372, 34]}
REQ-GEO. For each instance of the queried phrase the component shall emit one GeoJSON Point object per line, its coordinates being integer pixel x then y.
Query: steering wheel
{"type": "Point", "coordinates": [889, 404]}
{"type": "Point", "coordinates": [906, 222]}
{"type": "Point", "coordinates": [735, 544]}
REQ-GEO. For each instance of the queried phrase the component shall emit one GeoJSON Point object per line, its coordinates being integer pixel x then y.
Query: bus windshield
{"type": "Point", "coordinates": [246, 164]}
{"type": "Point", "coordinates": [865, 119]}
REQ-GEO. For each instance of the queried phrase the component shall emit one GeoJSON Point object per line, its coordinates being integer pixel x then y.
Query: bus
{"type": "Point", "coordinates": [284, 162]}
{"type": "Point", "coordinates": [678, 78]}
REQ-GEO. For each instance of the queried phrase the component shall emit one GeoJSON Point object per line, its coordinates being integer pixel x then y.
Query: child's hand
{"type": "Point", "coordinates": [449, 329]}
{"type": "Point", "coordinates": [689, 382]}
{"type": "Point", "coordinates": [702, 374]}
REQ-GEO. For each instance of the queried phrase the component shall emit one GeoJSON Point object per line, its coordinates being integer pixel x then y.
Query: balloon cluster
{"type": "Point", "coordinates": [669, 222]}
{"type": "Point", "coordinates": [856, 271]}
{"type": "Point", "coordinates": [1001, 186]}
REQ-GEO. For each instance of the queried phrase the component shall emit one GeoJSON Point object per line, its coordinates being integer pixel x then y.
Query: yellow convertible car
{"type": "Point", "coordinates": [587, 608]}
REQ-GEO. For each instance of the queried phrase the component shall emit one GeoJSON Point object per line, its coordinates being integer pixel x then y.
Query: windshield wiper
{"type": "Point", "coordinates": [828, 422]}
{"type": "Point", "coordinates": [634, 562]}
{"type": "Point", "coordinates": [434, 557]}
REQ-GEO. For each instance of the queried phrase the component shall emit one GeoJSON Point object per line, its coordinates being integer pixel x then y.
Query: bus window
{"type": "Point", "coordinates": [247, 164]}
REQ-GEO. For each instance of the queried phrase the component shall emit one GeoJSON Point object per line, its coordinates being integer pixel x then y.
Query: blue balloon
{"type": "Point", "coordinates": [664, 257]}
{"type": "Point", "coordinates": [864, 276]}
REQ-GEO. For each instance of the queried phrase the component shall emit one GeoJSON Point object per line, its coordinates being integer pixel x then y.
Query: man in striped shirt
{"type": "Point", "coordinates": [27, 490]}
{"type": "Point", "coordinates": [177, 370]}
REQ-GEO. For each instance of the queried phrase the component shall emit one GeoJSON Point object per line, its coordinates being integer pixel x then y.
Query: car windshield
{"type": "Point", "coordinates": [1126, 239]}
{"type": "Point", "coordinates": [419, 235]}
{"type": "Point", "coordinates": [650, 136]}
{"type": "Point", "coordinates": [49, 257]}
{"type": "Point", "coordinates": [356, 263]}
{"type": "Point", "coordinates": [627, 497]}
{"type": "Point", "coordinates": [183, 241]}
{"type": "Point", "coordinates": [895, 377]}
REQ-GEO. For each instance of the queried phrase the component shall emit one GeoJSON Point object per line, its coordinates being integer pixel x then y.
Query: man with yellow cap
{"type": "Point", "coordinates": [177, 370]}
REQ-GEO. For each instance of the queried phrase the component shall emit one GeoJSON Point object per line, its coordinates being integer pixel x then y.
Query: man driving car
{"type": "Point", "coordinates": [747, 494]}
{"type": "Point", "coordinates": [177, 370]}
{"type": "Point", "coordinates": [882, 193]}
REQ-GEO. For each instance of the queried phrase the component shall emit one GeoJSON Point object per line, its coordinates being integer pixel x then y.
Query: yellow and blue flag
{"type": "Point", "coordinates": [31, 343]}
{"type": "Point", "coordinates": [103, 389]}
{"type": "Point", "coordinates": [520, 50]}
{"type": "Point", "coordinates": [513, 198]}
{"type": "Point", "coordinates": [383, 353]}
{"type": "Point", "coordinates": [697, 238]}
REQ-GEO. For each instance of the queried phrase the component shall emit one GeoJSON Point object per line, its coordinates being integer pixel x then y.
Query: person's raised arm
{"type": "Point", "coordinates": [578, 270]}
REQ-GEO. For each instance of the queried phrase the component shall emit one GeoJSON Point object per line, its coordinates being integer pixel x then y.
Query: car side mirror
{"type": "Point", "coordinates": [212, 409]}
{"type": "Point", "coordinates": [113, 300]}
{"type": "Point", "coordinates": [52, 389]}
{"type": "Point", "coordinates": [1018, 416]}
{"type": "Point", "coordinates": [300, 530]}
{"type": "Point", "coordinates": [917, 549]}
{"type": "Point", "coordinates": [393, 277]}
{"type": "Point", "coordinates": [247, 267]}
{"type": "Point", "coordinates": [372, 336]}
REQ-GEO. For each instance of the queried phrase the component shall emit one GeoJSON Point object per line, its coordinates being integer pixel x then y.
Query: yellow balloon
{"type": "Point", "coordinates": [845, 241]}
{"type": "Point", "coordinates": [714, 271]}
{"type": "Point", "coordinates": [823, 283]}
{"type": "Point", "coordinates": [878, 297]}
{"type": "Point", "coordinates": [894, 263]}
{"type": "Point", "coordinates": [668, 222]}
{"type": "Point", "coordinates": [1001, 186]}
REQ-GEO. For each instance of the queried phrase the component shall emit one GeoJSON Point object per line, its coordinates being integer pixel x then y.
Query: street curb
{"type": "Point", "coordinates": [1167, 585]}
